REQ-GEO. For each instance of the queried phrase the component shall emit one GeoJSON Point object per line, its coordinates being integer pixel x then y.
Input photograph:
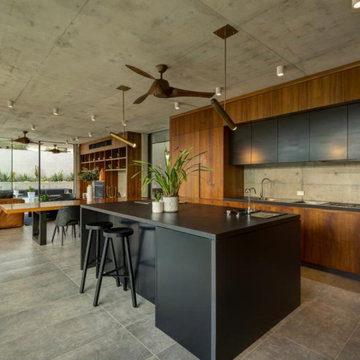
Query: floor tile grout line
{"type": "Point", "coordinates": [357, 326]}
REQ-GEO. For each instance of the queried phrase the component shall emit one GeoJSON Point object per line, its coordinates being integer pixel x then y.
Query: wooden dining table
{"type": "Point", "coordinates": [40, 209]}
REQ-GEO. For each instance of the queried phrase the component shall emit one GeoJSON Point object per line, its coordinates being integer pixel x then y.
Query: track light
{"type": "Point", "coordinates": [55, 111]}
{"type": "Point", "coordinates": [90, 134]}
{"type": "Point", "coordinates": [118, 137]}
{"type": "Point", "coordinates": [10, 104]}
{"type": "Point", "coordinates": [176, 105]}
{"type": "Point", "coordinates": [218, 91]}
{"type": "Point", "coordinates": [33, 127]}
{"type": "Point", "coordinates": [280, 70]}
{"type": "Point", "coordinates": [223, 114]}
{"type": "Point", "coordinates": [356, 4]}
{"type": "Point", "coordinates": [93, 118]}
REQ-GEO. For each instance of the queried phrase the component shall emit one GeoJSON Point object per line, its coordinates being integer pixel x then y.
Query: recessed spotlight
{"type": "Point", "coordinates": [176, 105]}
{"type": "Point", "coordinates": [10, 104]}
{"type": "Point", "coordinates": [93, 118]}
{"type": "Point", "coordinates": [356, 4]}
{"type": "Point", "coordinates": [90, 134]}
{"type": "Point", "coordinates": [55, 111]}
{"type": "Point", "coordinates": [280, 70]}
{"type": "Point", "coordinates": [33, 127]}
{"type": "Point", "coordinates": [218, 91]}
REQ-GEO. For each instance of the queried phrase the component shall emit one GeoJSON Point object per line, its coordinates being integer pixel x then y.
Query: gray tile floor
{"type": "Point", "coordinates": [43, 316]}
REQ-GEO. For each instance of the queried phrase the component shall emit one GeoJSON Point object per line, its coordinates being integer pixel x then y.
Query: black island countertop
{"type": "Point", "coordinates": [202, 220]}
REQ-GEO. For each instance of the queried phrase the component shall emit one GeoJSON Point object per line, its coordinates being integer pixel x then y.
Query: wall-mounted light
{"type": "Point", "coordinates": [11, 104]}
{"type": "Point", "coordinates": [33, 127]}
{"type": "Point", "coordinates": [356, 4]}
{"type": "Point", "coordinates": [218, 91]}
{"type": "Point", "coordinates": [93, 118]}
{"type": "Point", "coordinates": [118, 137]}
{"type": "Point", "coordinates": [176, 105]}
{"type": "Point", "coordinates": [280, 70]}
{"type": "Point", "coordinates": [90, 134]}
{"type": "Point", "coordinates": [223, 114]}
{"type": "Point", "coordinates": [55, 111]}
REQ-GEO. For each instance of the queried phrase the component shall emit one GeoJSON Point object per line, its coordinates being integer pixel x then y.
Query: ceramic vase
{"type": "Point", "coordinates": [171, 203]}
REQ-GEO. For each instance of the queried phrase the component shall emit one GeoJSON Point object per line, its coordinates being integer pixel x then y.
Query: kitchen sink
{"type": "Point", "coordinates": [311, 202]}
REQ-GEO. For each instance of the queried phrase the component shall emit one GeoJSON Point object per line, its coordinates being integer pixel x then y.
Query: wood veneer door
{"type": "Point", "coordinates": [240, 145]}
{"type": "Point", "coordinates": [332, 239]}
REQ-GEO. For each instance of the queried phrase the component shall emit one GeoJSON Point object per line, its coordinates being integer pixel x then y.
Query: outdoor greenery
{"type": "Point", "coordinates": [59, 176]}
{"type": "Point", "coordinates": [174, 174]}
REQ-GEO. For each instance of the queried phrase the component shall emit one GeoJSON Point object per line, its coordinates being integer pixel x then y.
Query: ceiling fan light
{"type": "Point", "coordinates": [118, 137]}
{"type": "Point", "coordinates": [10, 104]}
{"type": "Point", "coordinates": [218, 91]}
{"type": "Point", "coordinates": [90, 134]}
{"type": "Point", "coordinates": [223, 114]}
{"type": "Point", "coordinates": [176, 105]}
{"type": "Point", "coordinates": [280, 70]}
{"type": "Point", "coordinates": [93, 118]}
{"type": "Point", "coordinates": [356, 4]}
{"type": "Point", "coordinates": [55, 111]}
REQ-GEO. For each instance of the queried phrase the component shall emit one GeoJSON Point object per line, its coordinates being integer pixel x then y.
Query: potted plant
{"type": "Point", "coordinates": [89, 176]}
{"type": "Point", "coordinates": [31, 192]}
{"type": "Point", "coordinates": [172, 175]}
{"type": "Point", "coordinates": [157, 204]}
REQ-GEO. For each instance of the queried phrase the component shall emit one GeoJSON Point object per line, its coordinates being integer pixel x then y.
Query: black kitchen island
{"type": "Point", "coordinates": [218, 281]}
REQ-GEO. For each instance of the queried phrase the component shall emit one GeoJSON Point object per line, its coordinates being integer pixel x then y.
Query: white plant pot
{"type": "Point", "coordinates": [89, 192]}
{"type": "Point", "coordinates": [171, 203]}
{"type": "Point", "coordinates": [16, 193]}
{"type": "Point", "coordinates": [31, 194]}
{"type": "Point", "coordinates": [157, 206]}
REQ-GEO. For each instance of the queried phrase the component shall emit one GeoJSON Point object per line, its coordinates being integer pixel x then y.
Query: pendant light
{"type": "Point", "coordinates": [122, 138]}
{"type": "Point", "coordinates": [224, 33]}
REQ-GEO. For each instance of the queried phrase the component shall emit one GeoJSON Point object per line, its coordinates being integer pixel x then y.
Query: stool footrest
{"type": "Point", "coordinates": [113, 273]}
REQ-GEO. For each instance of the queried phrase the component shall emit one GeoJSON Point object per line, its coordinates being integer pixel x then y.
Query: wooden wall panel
{"type": "Point", "coordinates": [324, 91]}
{"type": "Point", "coordinates": [351, 83]}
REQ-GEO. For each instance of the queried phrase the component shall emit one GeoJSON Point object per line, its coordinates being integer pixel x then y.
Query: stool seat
{"type": "Point", "coordinates": [144, 226]}
{"type": "Point", "coordinates": [117, 232]}
{"type": "Point", "coordinates": [128, 222]}
{"type": "Point", "coordinates": [98, 225]}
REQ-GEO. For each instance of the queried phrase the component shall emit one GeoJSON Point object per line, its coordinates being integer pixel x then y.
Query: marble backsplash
{"type": "Point", "coordinates": [325, 181]}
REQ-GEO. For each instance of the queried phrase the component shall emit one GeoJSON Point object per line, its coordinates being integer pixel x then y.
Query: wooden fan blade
{"type": "Point", "coordinates": [140, 99]}
{"type": "Point", "coordinates": [181, 92]}
{"type": "Point", "coordinates": [140, 72]}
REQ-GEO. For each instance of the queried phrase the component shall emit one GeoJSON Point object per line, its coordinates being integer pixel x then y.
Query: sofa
{"type": "Point", "coordinates": [13, 220]}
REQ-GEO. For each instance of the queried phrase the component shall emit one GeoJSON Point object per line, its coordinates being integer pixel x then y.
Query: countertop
{"type": "Point", "coordinates": [292, 202]}
{"type": "Point", "coordinates": [202, 220]}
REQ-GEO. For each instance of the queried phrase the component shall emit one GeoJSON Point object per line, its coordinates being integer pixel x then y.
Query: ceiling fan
{"type": "Point", "coordinates": [161, 88]}
{"type": "Point", "coordinates": [56, 150]}
{"type": "Point", "coordinates": [23, 139]}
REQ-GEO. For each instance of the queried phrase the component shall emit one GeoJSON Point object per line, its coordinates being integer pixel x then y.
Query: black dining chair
{"type": "Point", "coordinates": [66, 216]}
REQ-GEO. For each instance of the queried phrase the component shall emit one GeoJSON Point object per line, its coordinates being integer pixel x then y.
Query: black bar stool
{"type": "Point", "coordinates": [111, 235]}
{"type": "Point", "coordinates": [93, 227]}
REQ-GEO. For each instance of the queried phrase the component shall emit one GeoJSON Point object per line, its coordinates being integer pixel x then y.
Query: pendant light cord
{"type": "Point", "coordinates": [123, 104]}
{"type": "Point", "coordinates": [225, 71]}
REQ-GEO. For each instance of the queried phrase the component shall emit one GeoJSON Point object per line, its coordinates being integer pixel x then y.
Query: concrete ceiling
{"type": "Point", "coordinates": [71, 54]}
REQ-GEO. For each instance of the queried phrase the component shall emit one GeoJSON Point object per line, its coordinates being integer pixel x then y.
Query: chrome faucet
{"type": "Point", "coordinates": [248, 191]}
{"type": "Point", "coordinates": [262, 187]}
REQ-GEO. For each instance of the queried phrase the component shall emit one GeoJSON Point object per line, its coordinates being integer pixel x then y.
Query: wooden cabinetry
{"type": "Point", "coordinates": [328, 134]}
{"type": "Point", "coordinates": [240, 145]}
{"type": "Point", "coordinates": [113, 157]}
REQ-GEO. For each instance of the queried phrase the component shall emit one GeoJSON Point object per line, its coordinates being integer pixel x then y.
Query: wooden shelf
{"type": "Point", "coordinates": [115, 169]}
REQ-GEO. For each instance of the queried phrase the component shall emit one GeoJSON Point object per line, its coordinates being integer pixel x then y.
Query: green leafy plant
{"type": "Point", "coordinates": [89, 175]}
{"type": "Point", "coordinates": [157, 196]}
{"type": "Point", "coordinates": [31, 189]}
{"type": "Point", "coordinates": [175, 173]}
{"type": "Point", "coordinates": [44, 197]}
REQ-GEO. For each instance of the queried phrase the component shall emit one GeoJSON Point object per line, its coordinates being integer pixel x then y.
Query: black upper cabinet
{"type": "Point", "coordinates": [293, 138]}
{"type": "Point", "coordinates": [264, 142]}
{"type": "Point", "coordinates": [240, 145]}
{"type": "Point", "coordinates": [328, 134]}
{"type": "Point", "coordinates": [354, 132]}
